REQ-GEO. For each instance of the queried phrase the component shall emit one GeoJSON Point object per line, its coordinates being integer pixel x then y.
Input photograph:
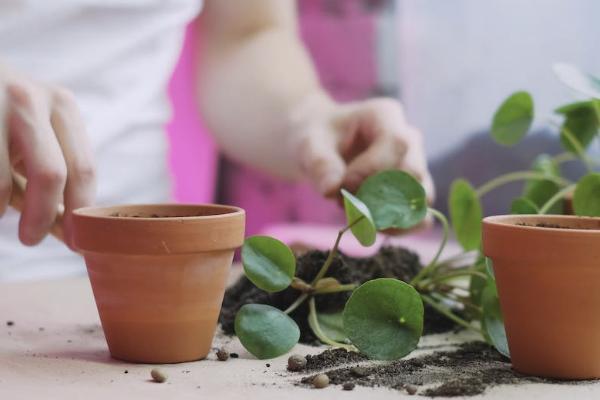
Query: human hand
{"type": "Point", "coordinates": [42, 137]}
{"type": "Point", "coordinates": [341, 145]}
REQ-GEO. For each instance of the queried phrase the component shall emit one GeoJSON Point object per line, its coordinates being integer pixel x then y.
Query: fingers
{"type": "Point", "coordinates": [389, 143]}
{"type": "Point", "coordinates": [80, 188]}
{"type": "Point", "coordinates": [34, 139]}
{"type": "Point", "coordinates": [321, 162]}
{"type": "Point", "coordinates": [5, 174]}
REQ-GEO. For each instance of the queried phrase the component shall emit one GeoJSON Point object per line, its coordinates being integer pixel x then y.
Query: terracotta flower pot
{"type": "Point", "coordinates": [549, 287]}
{"type": "Point", "coordinates": [158, 273]}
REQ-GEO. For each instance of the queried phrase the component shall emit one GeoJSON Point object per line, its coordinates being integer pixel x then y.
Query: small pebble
{"type": "Point", "coordinates": [223, 355]}
{"type": "Point", "coordinates": [348, 386]}
{"type": "Point", "coordinates": [234, 355]}
{"type": "Point", "coordinates": [320, 381]}
{"type": "Point", "coordinates": [158, 375]}
{"type": "Point", "coordinates": [359, 371]}
{"type": "Point", "coordinates": [296, 362]}
{"type": "Point", "coordinates": [268, 365]}
{"type": "Point", "coordinates": [411, 389]}
{"type": "Point", "coordinates": [10, 323]}
{"type": "Point", "coordinates": [126, 372]}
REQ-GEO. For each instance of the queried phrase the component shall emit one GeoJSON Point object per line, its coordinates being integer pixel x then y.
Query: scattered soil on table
{"type": "Point", "coordinates": [466, 371]}
{"type": "Point", "coordinates": [389, 262]}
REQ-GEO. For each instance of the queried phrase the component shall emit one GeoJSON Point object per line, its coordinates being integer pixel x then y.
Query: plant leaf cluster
{"type": "Point", "coordinates": [383, 318]}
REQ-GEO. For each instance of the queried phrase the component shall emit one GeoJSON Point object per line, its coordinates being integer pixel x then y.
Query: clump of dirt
{"type": "Point", "coordinates": [332, 358]}
{"type": "Point", "coordinates": [389, 262]}
{"type": "Point", "coordinates": [467, 371]}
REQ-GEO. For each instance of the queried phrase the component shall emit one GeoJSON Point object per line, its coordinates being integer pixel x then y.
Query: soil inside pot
{"type": "Point", "coordinates": [389, 262]}
{"type": "Point", "coordinates": [466, 371]}
{"type": "Point", "coordinates": [553, 226]}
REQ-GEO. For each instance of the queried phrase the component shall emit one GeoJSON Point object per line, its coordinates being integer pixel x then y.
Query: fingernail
{"type": "Point", "coordinates": [329, 183]}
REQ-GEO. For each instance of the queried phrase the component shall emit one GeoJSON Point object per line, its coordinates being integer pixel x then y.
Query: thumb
{"type": "Point", "coordinates": [321, 162]}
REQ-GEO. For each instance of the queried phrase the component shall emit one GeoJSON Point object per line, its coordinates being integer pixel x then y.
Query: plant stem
{"type": "Point", "coordinates": [453, 275]}
{"type": "Point", "coordinates": [316, 327]}
{"type": "Point", "coordinates": [334, 251]}
{"type": "Point", "coordinates": [432, 264]}
{"type": "Point", "coordinates": [458, 299]}
{"type": "Point", "coordinates": [446, 312]}
{"type": "Point", "coordinates": [517, 176]}
{"type": "Point", "coordinates": [341, 288]}
{"type": "Point", "coordinates": [557, 196]}
{"type": "Point", "coordinates": [296, 303]}
{"type": "Point", "coordinates": [564, 157]}
{"type": "Point", "coordinates": [578, 147]}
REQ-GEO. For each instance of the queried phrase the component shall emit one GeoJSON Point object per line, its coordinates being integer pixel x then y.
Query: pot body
{"type": "Point", "coordinates": [158, 273]}
{"type": "Point", "coordinates": [549, 288]}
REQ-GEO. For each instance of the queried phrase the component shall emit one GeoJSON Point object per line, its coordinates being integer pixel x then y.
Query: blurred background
{"type": "Point", "coordinates": [451, 63]}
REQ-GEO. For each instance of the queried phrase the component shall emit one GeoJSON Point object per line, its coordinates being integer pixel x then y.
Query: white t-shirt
{"type": "Point", "coordinates": [116, 56]}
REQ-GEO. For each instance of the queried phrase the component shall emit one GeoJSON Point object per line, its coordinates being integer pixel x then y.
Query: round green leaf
{"type": "Point", "coordinates": [522, 205]}
{"type": "Point", "coordinates": [567, 108]}
{"type": "Point", "coordinates": [477, 284]}
{"type": "Point", "coordinates": [268, 263]}
{"type": "Point", "coordinates": [577, 80]}
{"type": "Point", "coordinates": [545, 164]}
{"type": "Point", "coordinates": [364, 231]}
{"type": "Point", "coordinates": [586, 199]}
{"type": "Point", "coordinates": [513, 119]}
{"type": "Point", "coordinates": [332, 325]}
{"type": "Point", "coordinates": [395, 199]}
{"type": "Point", "coordinates": [581, 122]}
{"type": "Point", "coordinates": [540, 191]}
{"type": "Point", "coordinates": [493, 323]}
{"type": "Point", "coordinates": [384, 318]}
{"type": "Point", "coordinates": [466, 214]}
{"type": "Point", "coordinates": [265, 331]}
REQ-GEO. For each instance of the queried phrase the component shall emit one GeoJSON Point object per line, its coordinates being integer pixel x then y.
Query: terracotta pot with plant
{"type": "Point", "coordinates": [547, 270]}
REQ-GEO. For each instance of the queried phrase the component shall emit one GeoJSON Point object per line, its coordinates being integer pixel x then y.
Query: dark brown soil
{"type": "Point", "coordinates": [467, 371]}
{"type": "Point", "coordinates": [389, 262]}
{"type": "Point", "coordinates": [545, 225]}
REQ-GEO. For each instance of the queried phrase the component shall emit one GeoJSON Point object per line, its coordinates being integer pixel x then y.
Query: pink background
{"type": "Point", "coordinates": [340, 35]}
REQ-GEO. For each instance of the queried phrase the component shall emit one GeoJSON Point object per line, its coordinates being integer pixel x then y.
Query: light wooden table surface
{"type": "Point", "coordinates": [56, 350]}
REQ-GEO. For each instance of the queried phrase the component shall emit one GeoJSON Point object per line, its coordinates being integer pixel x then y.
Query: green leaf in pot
{"type": "Point", "coordinates": [492, 322]}
{"type": "Point", "coordinates": [268, 263]}
{"type": "Point", "coordinates": [332, 325]}
{"type": "Point", "coordinates": [540, 191]}
{"type": "Point", "coordinates": [265, 331]}
{"type": "Point", "coordinates": [522, 205]}
{"type": "Point", "coordinates": [581, 122]}
{"type": "Point", "coordinates": [586, 199]}
{"type": "Point", "coordinates": [466, 214]}
{"type": "Point", "coordinates": [513, 119]}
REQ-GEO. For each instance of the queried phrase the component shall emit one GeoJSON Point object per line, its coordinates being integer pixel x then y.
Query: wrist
{"type": "Point", "coordinates": [313, 111]}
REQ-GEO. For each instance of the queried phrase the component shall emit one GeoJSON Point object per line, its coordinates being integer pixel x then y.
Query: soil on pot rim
{"type": "Point", "coordinates": [388, 262]}
{"type": "Point", "coordinates": [553, 226]}
{"type": "Point", "coordinates": [469, 370]}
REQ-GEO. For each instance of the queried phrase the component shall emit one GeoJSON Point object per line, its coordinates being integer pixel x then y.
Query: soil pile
{"type": "Point", "coordinates": [467, 371]}
{"type": "Point", "coordinates": [389, 262]}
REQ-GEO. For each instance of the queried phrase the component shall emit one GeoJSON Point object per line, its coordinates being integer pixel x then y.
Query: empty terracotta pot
{"type": "Point", "coordinates": [159, 273]}
{"type": "Point", "coordinates": [547, 270]}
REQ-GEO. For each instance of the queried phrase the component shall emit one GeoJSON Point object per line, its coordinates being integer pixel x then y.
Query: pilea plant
{"type": "Point", "coordinates": [383, 318]}
{"type": "Point", "coordinates": [545, 191]}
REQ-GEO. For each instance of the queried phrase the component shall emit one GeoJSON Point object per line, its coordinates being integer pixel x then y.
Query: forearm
{"type": "Point", "coordinates": [256, 86]}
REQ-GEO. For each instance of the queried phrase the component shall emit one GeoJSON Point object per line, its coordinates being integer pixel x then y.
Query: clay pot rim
{"type": "Point", "coordinates": [509, 222]}
{"type": "Point", "coordinates": [96, 212]}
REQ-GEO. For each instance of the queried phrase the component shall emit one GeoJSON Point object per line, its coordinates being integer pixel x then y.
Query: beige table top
{"type": "Point", "coordinates": [56, 350]}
